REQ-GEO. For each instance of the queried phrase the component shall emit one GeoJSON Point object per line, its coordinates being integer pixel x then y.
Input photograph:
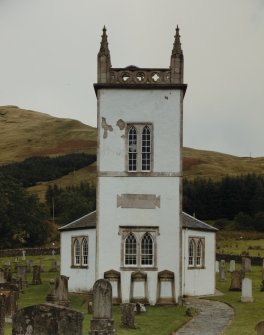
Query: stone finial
{"type": "Point", "coordinates": [176, 63]}
{"type": "Point", "coordinates": [103, 60]}
{"type": "Point", "coordinates": [177, 50]}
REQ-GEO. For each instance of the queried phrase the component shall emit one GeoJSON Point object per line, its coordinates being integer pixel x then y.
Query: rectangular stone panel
{"type": "Point", "coordinates": [141, 201]}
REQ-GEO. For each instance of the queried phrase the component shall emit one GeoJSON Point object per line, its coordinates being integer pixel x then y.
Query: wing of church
{"type": "Point", "coordinates": [139, 239]}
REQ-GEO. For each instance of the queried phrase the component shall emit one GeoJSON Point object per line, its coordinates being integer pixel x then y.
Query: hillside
{"type": "Point", "coordinates": [25, 133]}
{"type": "Point", "coordinates": [40, 134]}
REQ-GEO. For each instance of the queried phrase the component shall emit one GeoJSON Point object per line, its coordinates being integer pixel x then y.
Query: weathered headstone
{"type": "Point", "coordinates": [246, 290]}
{"type": "Point", "coordinates": [246, 264]}
{"type": "Point", "coordinates": [217, 266]}
{"type": "Point", "coordinates": [222, 263]}
{"type": "Point", "coordinates": [222, 272]}
{"type": "Point", "coordinates": [23, 255]}
{"type": "Point", "coordinates": [2, 314]}
{"type": "Point", "coordinates": [22, 273]}
{"type": "Point", "coordinates": [58, 293]}
{"type": "Point", "coordinates": [2, 276]}
{"type": "Point", "coordinates": [8, 274]}
{"type": "Point", "coordinates": [53, 266]}
{"type": "Point", "coordinates": [102, 322]}
{"type": "Point", "coordinates": [236, 281]}
{"type": "Point", "coordinates": [47, 319]}
{"type": "Point", "coordinates": [232, 266]}
{"type": "Point", "coordinates": [36, 280]}
{"type": "Point", "coordinates": [260, 328]}
{"type": "Point", "coordinates": [10, 298]}
{"type": "Point", "coordinates": [128, 315]}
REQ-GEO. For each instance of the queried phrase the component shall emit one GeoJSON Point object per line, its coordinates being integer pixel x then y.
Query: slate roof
{"type": "Point", "coordinates": [86, 221]}
{"type": "Point", "coordinates": [89, 221]}
{"type": "Point", "coordinates": [190, 222]}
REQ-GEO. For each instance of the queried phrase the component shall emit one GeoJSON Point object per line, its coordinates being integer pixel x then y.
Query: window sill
{"type": "Point", "coordinates": [80, 267]}
{"type": "Point", "coordinates": [196, 268]}
{"type": "Point", "coordinates": [136, 268]}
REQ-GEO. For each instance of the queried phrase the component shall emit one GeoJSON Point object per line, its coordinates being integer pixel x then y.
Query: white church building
{"type": "Point", "coordinates": [139, 238]}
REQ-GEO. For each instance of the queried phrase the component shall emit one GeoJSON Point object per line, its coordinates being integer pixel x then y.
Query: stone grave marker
{"type": "Point", "coordinates": [23, 255]}
{"type": "Point", "coordinates": [222, 271]}
{"type": "Point", "coordinates": [222, 263]}
{"type": "Point", "coordinates": [47, 319]}
{"type": "Point", "coordinates": [58, 293]}
{"type": "Point", "coordinates": [236, 281]}
{"type": "Point", "coordinates": [246, 290]}
{"type": "Point", "coordinates": [128, 315]}
{"type": "Point", "coordinates": [22, 273]}
{"type": "Point", "coordinates": [36, 280]}
{"type": "Point", "coordinates": [102, 322]}
{"type": "Point", "coordinates": [8, 274]}
{"type": "Point", "coordinates": [2, 314]}
{"type": "Point", "coordinates": [53, 266]}
{"type": "Point", "coordinates": [29, 265]}
{"type": "Point", "coordinates": [259, 328]}
{"type": "Point", "coordinates": [217, 266]}
{"type": "Point", "coordinates": [232, 266]}
{"type": "Point", "coordinates": [246, 264]}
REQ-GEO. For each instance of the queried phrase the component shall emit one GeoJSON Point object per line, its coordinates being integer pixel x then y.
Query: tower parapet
{"type": "Point", "coordinates": [133, 75]}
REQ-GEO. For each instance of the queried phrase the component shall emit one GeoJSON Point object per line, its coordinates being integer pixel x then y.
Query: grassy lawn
{"type": "Point", "coordinates": [240, 243]}
{"type": "Point", "coordinates": [156, 321]}
{"type": "Point", "coordinates": [247, 315]}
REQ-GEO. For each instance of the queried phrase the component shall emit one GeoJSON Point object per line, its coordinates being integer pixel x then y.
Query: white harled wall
{"type": "Point", "coordinates": [161, 108]}
{"type": "Point", "coordinates": [80, 279]}
{"type": "Point", "coordinates": [200, 281]}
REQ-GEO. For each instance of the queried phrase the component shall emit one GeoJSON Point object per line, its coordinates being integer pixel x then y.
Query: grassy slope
{"type": "Point", "coordinates": [25, 133]}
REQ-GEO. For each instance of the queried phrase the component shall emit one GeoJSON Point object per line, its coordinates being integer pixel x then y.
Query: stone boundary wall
{"type": "Point", "coordinates": [29, 252]}
{"type": "Point", "coordinates": [238, 258]}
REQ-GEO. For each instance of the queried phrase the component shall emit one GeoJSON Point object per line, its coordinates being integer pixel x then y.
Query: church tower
{"type": "Point", "coordinates": [139, 178]}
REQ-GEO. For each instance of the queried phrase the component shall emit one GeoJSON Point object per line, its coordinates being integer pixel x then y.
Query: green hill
{"type": "Point", "coordinates": [25, 133]}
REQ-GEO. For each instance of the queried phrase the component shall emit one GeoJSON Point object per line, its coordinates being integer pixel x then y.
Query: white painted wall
{"type": "Point", "coordinates": [161, 108]}
{"type": "Point", "coordinates": [80, 279]}
{"type": "Point", "coordinates": [199, 281]}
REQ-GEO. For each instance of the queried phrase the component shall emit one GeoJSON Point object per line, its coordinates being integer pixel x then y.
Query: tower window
{"type": "Point", "coordinates": [139, 147]}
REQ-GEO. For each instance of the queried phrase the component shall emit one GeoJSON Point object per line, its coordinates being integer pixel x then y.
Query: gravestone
{"type": "Point", "coordinates": [232, 266]}
{"type": "Point", "coordinates": [246, 264]}
{"type": "Point", "coordinates": [2, 314]}
{"type": "Point", "coordinates": [2, 276]}
{"type": "Point", "coordinates": [8, 274]}
{"type": "Point", "coordinates": [222, 263]}
{"type": "Point", "coordinates": [259, 328]}
{"type": "Point", "coordinates": [236, 281]}
{"type": "Point", "coordinates": [29, 264]}
{"type": "Point", "coordinates": [222, 271]}
{"type": "Point", "coordinates": [58, 293]}
{"type": "Point", "coordinates": [217, 266]}
{"type": "Point", "coordinates": [47, 319]}
{"type": "Point", "coordinates": [128, 315]}
{"type": "Point", "coordinates": [23, 255]}
{"type": "Point", "coordinates": [246, 290]}
{"type": "Point", "coordinates": [102, 322]}
{"type": "Point", "coordinates": [10, 299]}
{"type": "Point", "coordinates": [36, 280]}
{"type": "Point", "coordinates": [53, 266]}
{"type": "Point", "coordinates": [22, 273]}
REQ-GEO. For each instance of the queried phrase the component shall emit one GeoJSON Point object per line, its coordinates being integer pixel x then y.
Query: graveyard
{"type": "Point", "coordinates": [156, 320]}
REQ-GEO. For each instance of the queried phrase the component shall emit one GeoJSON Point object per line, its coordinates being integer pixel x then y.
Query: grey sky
{"type": "Point", "coordinates": [49, 51]}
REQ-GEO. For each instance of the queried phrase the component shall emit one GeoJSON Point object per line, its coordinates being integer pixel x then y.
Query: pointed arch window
{"type": "Point", "coordinates": [131, 250]}
{"type": "Point", "coordinates": [146, 149]}
{"type": "Point", "coordinates": [199, 253]}
{"type": "Point", "coordinates": [84, 252]}
{"type": "Point", "coordinates": [139, 147]}
{"type": "Point", "coordinates": [79, 251]}
{"type": "Point", "coordinates": [147, 250]}
{"type": "Point", "coordinates": [196, 252]}
{"type": "Point", "coordinates": [132, 149]}
{"type": "Point", "coordinates": [191, 252]}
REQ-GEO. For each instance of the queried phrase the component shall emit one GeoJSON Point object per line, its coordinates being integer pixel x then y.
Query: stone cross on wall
{"type": "Point", "coordinates": [102, 322]}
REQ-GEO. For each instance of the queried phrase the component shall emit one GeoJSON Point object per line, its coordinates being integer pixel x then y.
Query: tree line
{"type": "Point", "coordinates": [238, 198]}
{"type": "Point", "coordinates": [36, 169]}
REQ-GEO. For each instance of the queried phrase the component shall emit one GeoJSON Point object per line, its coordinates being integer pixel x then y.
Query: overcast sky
{"type": "Point", "coordinates": [48, 60]}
